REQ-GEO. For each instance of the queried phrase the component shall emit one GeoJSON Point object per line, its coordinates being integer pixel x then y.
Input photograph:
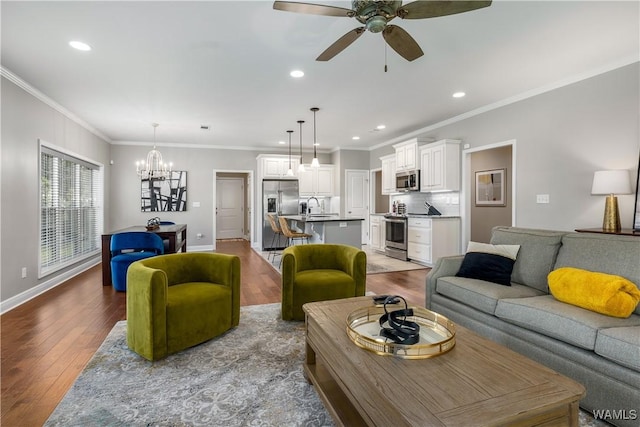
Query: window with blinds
{"type": "Point", "coordinates": [70, 209]}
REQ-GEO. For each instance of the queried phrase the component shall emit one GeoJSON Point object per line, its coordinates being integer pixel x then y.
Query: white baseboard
{"type": "Point", "coordinates": [201, 248]}
{"type": "Point", "coordinates": [31, 293]}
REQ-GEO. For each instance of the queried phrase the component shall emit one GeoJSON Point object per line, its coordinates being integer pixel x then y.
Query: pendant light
{"type": "Point", "coordinates": [314, 163]}
{"type": "Point", "coordinates": [290, 171]}
{"type": "Point", "coordinates": [301, 166]}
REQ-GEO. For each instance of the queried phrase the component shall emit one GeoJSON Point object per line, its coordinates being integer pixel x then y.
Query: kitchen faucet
{"type": "Point", "coordinates": [309, 205]}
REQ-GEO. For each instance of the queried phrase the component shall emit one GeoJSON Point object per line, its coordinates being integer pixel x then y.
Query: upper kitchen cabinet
{"type": "Point", "coordinates": [317, 181]}
{"type": "Point", "coordinates": [276, 166]}
{"type": "Point", "coordinates": [407, 155]}
{"type": "Point", "coordinates": [388, 174]}
{"type": "Point", "coordinates": [440, 166]}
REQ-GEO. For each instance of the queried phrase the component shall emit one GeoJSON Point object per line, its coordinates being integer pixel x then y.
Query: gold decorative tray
{"type": "Point", "coordinates": [437, 333]}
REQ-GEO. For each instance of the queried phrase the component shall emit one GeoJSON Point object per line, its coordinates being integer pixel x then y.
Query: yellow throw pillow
{"type": "Point", "coordinates": [603, 293]}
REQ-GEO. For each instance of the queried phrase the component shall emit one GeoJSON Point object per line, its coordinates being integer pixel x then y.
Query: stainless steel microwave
{"type": "Point", "coordinates": [408, 180]}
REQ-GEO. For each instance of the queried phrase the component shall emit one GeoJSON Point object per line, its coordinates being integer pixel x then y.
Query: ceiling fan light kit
{"type": "Point", "coordinates": [375, 16]}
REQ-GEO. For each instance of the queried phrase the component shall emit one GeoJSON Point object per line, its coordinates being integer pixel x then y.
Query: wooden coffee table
{"type": "Point", "coordinates": [477, 383]}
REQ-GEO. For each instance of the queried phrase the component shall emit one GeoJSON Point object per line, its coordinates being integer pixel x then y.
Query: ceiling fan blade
{"type": "Point", "coordinates": [432, 9]}
{"type": "Point", "coordinates": [314, 9]}
{"type": "Point", "coordinates": [341, 44]}
{"type": "Point", "coordinates": [402, 42]}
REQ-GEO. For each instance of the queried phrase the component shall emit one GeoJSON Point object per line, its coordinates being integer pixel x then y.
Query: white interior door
{"type": "Point", "coordinates": [229, 208]}
{"type": "Point", "coordinates": [357, 199]}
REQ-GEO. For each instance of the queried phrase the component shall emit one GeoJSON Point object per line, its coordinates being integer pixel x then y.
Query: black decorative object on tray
{"type": "Point", "coordinates": [407, 333]}
{"type": "Point", "coordinates": [153, 224]}
{"type": "Point", "coordinates": [394, 324]}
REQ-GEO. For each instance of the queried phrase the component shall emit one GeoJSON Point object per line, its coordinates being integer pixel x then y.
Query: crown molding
{"type": "Point", "coordinates": [513, 99]}
{"type": "Point", "coordinates": [13, 78]}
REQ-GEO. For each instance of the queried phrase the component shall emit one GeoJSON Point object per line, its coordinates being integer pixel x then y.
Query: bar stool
{"type": "Point", "coordinates": [290, 234]}
{"type": "Point", "coordinates": [276, 232]}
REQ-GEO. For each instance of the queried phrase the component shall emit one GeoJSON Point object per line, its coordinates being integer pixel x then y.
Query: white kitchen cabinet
{"type": "Point", "coordinates": [440, 166]}
{"type": "Point", "coordinates": [276, 166]}
{"type": "Point", "coordinates": [388, 174]}
{"type": "Point", "coordinates": [407, 157]}
{"type": "Point", "coordinates": [429, 239]}
{"type": "Point", "coordinates": [377, 232]}
{"type": "Point", "coordinates": [318, 181]}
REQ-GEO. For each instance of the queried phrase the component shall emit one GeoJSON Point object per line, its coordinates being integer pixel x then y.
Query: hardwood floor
{"type": "Point", "coordinates": [47, 341]}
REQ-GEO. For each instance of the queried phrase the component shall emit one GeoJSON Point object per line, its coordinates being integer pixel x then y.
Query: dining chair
{"type": "Point", "coordinates": [129, 247]}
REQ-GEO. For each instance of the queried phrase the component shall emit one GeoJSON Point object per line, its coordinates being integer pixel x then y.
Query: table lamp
{"type": "Point", "coordinates": [609, 183]}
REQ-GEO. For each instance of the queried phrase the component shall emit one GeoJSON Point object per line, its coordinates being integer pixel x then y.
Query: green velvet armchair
{"type": "Point", "coordinates": [180, 300]}
{"type": "Point", "coordinates": [320, 272]}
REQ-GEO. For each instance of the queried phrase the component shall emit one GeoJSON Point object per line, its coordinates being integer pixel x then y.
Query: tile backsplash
{"type": "Point", "coordinates": [447, 203]}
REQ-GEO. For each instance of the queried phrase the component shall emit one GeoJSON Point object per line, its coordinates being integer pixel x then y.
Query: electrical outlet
{"type": "Point", "coordinates": [24, 272]}
{"type": "Point", "coordinates": [199, 236]}
{"type": "Point", "coordinates": [542, 198]}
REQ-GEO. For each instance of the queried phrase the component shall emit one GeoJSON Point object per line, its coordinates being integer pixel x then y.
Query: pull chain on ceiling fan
{"type": "Point", "coordinates": [375, 16]}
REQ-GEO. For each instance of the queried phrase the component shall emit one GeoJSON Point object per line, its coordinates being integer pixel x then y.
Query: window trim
{"type": "Point", "coordinates": [45, 147]}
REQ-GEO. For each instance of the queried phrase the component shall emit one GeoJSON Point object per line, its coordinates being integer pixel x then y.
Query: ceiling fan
{"type": "Point", "coordinates": [376, 14]}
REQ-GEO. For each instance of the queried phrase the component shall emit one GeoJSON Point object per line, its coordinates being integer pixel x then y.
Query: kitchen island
{"type": "Point", "coordinates": [325, 228]}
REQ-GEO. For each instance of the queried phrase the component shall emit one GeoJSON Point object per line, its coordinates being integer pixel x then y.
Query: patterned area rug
{"type": "Point", "coordinates": [250, 376]}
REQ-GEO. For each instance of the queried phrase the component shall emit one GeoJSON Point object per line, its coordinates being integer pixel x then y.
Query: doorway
{"type": "Point", "coordinates": [479, 218]}
{"type": "Point", "coordinates": [232, 216]}
{"type": "Point", "coordinates": [357, 198]}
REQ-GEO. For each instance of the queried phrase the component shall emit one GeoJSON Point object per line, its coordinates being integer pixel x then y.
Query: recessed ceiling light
{"type": "Point", "coordinates": [380, 127]}
{"type": "Point", "coordinates": [281, 142]}
{"type": "Point", "coordinates": [355, 138]}
{"type": "Point", "coordinates": [79, 45]}
{"type": "Point", "coordinates": [296, 73]}
{"type": "Point", "coordinates": [459, 94]}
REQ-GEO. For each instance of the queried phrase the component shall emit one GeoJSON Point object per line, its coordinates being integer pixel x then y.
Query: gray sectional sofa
{"type": "Point", "coordinates": [601, 352]}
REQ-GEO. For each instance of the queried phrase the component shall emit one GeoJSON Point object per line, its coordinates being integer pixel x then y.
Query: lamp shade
{"type": "Point", "coordinates": [611, 182]}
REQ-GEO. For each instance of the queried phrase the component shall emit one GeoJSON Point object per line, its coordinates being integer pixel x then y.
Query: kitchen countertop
{"type": "Point", "coordinates": [320, 218]}
{"type": "Point", "coordinates": [423, 216]}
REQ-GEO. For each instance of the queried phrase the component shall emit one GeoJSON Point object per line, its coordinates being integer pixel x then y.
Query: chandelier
{"type": "Point", "coordinates": [154, 167]}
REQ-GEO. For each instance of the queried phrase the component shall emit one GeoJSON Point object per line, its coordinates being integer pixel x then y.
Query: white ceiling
{"type": "Point", "coordinates": [226, 65]}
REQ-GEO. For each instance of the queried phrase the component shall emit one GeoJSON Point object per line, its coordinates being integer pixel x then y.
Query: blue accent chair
{"type": "Point", "coordinates": [129, 247]}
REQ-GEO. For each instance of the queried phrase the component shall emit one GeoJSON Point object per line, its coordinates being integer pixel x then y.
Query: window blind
{"type": "Point", "coordinates": [70, 209]}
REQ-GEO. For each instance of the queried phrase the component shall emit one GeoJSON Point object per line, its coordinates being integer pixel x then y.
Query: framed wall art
{"type": "Point", "coordinates": [164, 194]}
{"type": "Point", "coordinates": [491, 188]}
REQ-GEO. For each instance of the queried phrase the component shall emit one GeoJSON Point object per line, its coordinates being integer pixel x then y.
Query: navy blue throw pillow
{"type": "Point", "coordinates": [492, 263]}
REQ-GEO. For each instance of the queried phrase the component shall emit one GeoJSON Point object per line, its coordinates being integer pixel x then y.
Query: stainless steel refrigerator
{"type": "Point", "coordinates": [279, 197]}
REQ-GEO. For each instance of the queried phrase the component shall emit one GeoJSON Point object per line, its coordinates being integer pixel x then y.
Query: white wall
{"type": "Point", "coordinates": [563, 136]}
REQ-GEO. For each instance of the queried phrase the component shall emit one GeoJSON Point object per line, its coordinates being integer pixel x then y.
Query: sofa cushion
{"type": "Point", "coordinates": [606, 253]}
{"type": "Point", "coordinates": [537, 255]}
{"type": "Point", "coordinates": [493, 263]}
{"type": "Point", "coordinates": [480, 294]}
{"type": "Point", "coordinates": [622, 345]}
{"type": "Point", "coordinates": [548, 316]}
{"type": "Point", "coordinates": [603, 293]}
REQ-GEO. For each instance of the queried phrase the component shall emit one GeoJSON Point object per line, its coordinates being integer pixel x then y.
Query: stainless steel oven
{"type": "Point", "coordinates": [396, 236]}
